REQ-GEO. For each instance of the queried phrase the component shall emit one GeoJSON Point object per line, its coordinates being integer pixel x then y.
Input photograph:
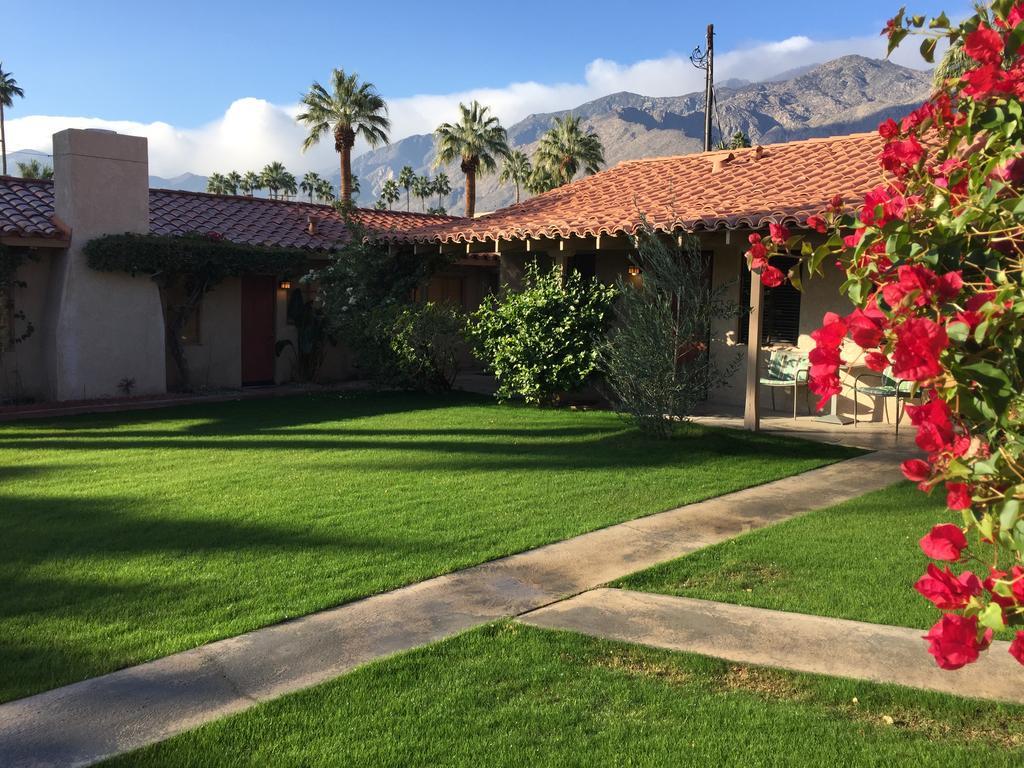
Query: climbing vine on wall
{"type": "Point", "coordinates": [15, 327]}
{"type": "Point", "coordinates": [194, 263]}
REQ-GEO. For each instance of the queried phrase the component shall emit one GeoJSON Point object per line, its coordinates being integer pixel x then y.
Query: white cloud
{"type": "Point", "coordinates": [252, 131]}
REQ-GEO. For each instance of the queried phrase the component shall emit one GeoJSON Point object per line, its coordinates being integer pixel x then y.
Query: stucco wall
{"type": "Point", "coordinates": [216, 361]}
{"type": "Point", "coordinates": [23, 368]}
{"type": "Point", "coordinates": [102, 327]}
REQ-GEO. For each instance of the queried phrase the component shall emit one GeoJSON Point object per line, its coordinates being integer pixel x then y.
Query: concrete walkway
{"type": "Point", "coordinates": [82, 723]}
{"type": "Point", "coordinates": [792, 641]}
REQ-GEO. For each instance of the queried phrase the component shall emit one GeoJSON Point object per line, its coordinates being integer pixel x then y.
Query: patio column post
{"type": "Point", "coordinates": [751, 404]}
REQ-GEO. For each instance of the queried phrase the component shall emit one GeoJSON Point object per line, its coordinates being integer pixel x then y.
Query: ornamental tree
{"type": "Point", "coordinates": [933, 259]}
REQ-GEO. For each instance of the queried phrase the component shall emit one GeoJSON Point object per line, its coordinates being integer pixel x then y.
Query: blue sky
{"type": "Point", "coordinates": [185, 64]}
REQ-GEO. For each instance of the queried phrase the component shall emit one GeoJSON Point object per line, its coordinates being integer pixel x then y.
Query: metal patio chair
{"type": "Point", "coordinates": [788, 370]}
{"type": "Point", "coordinates": [886, 388]}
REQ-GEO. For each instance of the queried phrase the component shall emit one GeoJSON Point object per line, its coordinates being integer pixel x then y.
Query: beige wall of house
{"type": "Point", "coordinates": [100, 327]}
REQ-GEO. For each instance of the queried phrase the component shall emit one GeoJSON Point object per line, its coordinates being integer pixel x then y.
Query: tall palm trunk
{"type": "Point", "coordinates": [517, 193]}
{"type": "Point", "coordinates": [346, 173]}
{"type": "Point", "coordinates": [470, 193]}
{"type": "Point", "coordinates": [3, 138]}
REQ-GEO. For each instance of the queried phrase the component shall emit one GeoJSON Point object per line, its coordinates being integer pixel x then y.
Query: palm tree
{"type": "Point", "coordinates": [216, 184]}
{"type": "Point", "coordinates": [310, 183]}
{"type": "Point", "coordinates": [324, 191]}
{"type": "Point", "coordinates": [423, 188]}
{"type": "Point", "coordinates": [355, 185]}
{"type": "Point", "coordinates": [951, 66]}
{"type": "Point", "coordinates": [250, 183]}
{"type": "Point", "coordinates": [405, 179]}
{"type": "Point", "coordinates": [540, 180]}
{"type": "Point", "coordinates": [389, 193]}
{"type": "Point", "coordinates": [289, 185]}
{"type": "Point", "coordinates": [234, 181]}
{"type": "Point", "coordinates": [349, 109]}
{"type": "Point", "coordinates": [566, 149]}
{"type": "Point", "coordinates": [8, 90]}
{"type": "Point", "coordinates": [442, 187]}
{"type": "Point", "coordinates": [739, 140]}
{"type": "Point", "coordinates": [475, 141]}
{"type": "Point", "coordinates": [272, 178]}
{"type": "Point", "coordinates": [33, 169]}
{"type": "Point", "coordinates": [516, 169]}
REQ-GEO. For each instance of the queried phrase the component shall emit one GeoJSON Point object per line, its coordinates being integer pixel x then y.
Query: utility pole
{"type": "Point", "coordinates": [705, 59]}
{"type": "Point", "coordinates": [709, 87]}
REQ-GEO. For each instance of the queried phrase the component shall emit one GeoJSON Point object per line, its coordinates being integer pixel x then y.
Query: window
{"type": "Point", "coordinates": [445, 290]}
{"type": "Point", "coordinates": [781, 310]}
{"type": "Point", "coordinates": [585, 264]}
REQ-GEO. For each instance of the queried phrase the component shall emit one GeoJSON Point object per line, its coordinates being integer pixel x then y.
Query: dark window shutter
{"type": "Point", "coordinates": [781, 323]}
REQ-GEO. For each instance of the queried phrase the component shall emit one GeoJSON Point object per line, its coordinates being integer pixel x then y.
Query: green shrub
{"type": "Point", "coordinates": [425, 342]}
{"type": "Point", "coordinates": [542, 342]}
{"type": "Point", "coordinates": [656, 363]}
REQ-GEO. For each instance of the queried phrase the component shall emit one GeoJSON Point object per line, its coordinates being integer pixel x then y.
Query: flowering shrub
{"type": "Point", "coordinates": [933, 260]}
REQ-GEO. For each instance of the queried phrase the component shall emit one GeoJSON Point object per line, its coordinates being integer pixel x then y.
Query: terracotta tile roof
{"type": "Point", "coordinates": [26, 210]}
{"type": "Point", "coordinates": [744, 188]}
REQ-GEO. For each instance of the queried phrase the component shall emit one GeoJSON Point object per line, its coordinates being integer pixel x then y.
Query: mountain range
{"type": "Point", "coordinates": [846, 95]}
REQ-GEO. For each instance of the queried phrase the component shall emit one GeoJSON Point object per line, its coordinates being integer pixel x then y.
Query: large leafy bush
{"type": "Point", "coordinates": [543, 341]}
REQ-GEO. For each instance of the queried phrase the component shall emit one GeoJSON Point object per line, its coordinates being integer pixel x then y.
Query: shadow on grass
{"type": "Point", "coordinates": [596, 447]}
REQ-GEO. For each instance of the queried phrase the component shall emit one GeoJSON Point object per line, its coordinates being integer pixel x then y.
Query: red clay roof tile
{"type": "Point", "coordinates": [744, 188]}
{"type": "Point", "coordinates": [26, 210]}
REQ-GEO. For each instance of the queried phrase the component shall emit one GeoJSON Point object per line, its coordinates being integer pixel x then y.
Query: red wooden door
{"type": "Point", "coordinates": [258, 335]}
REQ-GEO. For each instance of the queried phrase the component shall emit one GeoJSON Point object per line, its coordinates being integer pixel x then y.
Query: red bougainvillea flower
{"type": "Point", "coordinates": [986, 81]}
{"type": "Point", "coordinates": [823, 376]}
{"type": "Point", "coordinates": [958, 496]}
{"type": "Point", "coordinates": [984, 45]}
{"type": "Point", "coordinates": [947, 591]}
{"type": "Point", "coordinates": [876, 361]}
{"type": "Point", "coordinates": [934, 423]}
{"type": "Point", "coordinates": [919, 342]}
{"type": "Point", "coordinates": [916, 470]}
{"type": "Point", "coordinates": [1017, 583]}
{"type": "Point", "coordinates": [772, 277]}
{"type": "Point", "coordinates": [899, 157]}
{"type": "Point", "coordinates": [817, 224]}
{"type": "Point", "coordinates": [757, 256]}
{"type": "Point", "coordinates": [944, 541]}
{"type": "Point", "coordinates": [865, 326]}
{"type": "Point", "coordinates": [1017, 647]}
{"type": "Point", "coordinates": [954, 643]}
{"type": "Point", "coordinates": [889, 129]}
{"type": "Point", "coordinates": [778, 233]}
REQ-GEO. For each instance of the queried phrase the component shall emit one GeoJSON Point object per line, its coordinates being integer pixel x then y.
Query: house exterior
{"type": "Point", "coordinates": [94, 329]}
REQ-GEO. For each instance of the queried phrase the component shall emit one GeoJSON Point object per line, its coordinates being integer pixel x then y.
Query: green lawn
{"type": "Point", "coordinates": [509, 695]}
{"type": "Point", "coordinates": [858, 560]}
{"type": "Point", "coordinates": [125, 537]}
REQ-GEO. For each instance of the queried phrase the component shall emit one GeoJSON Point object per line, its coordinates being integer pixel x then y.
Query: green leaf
{"type": "Point", "coordinates": [992, 617]}
{"type": "Point", "coordinates": [1010, 514]}
{"type": "Point", "coordinates": [928, 49]}
{"type": "Point", "coordinates": [958, 331]}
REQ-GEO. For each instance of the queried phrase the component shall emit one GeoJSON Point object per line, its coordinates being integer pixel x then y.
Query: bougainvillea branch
{"type": "Point", "coordinates": [933, 259]}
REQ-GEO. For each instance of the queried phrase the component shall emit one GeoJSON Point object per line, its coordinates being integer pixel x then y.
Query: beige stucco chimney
{"type": "Point", "coordinates": [103, 327]}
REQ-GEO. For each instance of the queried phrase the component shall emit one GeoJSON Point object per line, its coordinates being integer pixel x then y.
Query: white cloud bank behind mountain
{"type": "Point", "coordinates": [253, 132]}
